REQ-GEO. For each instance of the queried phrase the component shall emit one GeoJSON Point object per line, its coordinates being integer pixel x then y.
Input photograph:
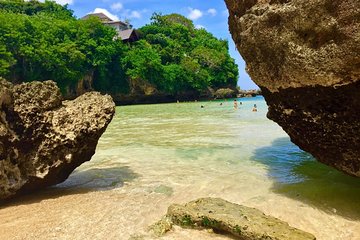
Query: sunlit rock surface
{"type": "Point", "coordinates": [305, 56]}
{"type": "Point", "coordinates": [221, 215]}
{"type": "Point", "coordinates": [42, 138]}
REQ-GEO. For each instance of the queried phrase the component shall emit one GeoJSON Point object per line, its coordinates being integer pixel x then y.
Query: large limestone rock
{"type": "Point", "coordinates": [42, 139]}
{"type": "Point", "coordinates": [305, 56]}
{"type": "Point", "coordinates": [243, 222]}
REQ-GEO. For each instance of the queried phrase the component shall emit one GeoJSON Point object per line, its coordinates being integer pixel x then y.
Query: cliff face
{"type": "Point", "coordinates": [305, 56]}
{"type": "Point", "coordinates": [42, 139]}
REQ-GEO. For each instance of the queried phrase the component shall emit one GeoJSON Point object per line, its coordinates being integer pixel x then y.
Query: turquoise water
{"type": "Point", "coordinates": [298, 175]}
{"type": "Point", "coordinates": [217, 137]}
{"type": "Point", "coordinates": [152, 156]}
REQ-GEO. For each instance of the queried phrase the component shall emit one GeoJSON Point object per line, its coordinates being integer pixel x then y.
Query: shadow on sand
{"type": "Point", "coordinates": [79, 182]}
{"type": "Point", "coordinates": [299, 176]}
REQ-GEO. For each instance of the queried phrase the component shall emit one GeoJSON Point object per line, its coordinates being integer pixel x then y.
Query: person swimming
{"type": "Point", "coordinates": [235, 104]}
{"type": "Point", "coordinates": [254, 108]}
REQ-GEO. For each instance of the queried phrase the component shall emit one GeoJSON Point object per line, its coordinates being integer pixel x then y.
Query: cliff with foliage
{"type": "Point", "coordinates": [41, 41]}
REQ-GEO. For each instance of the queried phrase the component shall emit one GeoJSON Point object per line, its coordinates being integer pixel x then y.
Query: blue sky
{"type": "Point", "coordinates": [211, 14]}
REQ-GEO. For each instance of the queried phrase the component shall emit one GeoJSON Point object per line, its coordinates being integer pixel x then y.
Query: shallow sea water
{"type": "Point", "coordinates": [154, 155]}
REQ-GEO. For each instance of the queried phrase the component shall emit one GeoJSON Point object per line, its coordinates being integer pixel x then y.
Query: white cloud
{"type": "Point", "coordinates": [107, 13]}
{"type": "Point", "coordinates": [199, 26]}
{"type": "Point", "coordinates": [194, 14]}
{"type": "Point", "coordinates": [135, 14]}
{"type": "Point", "coordinates": [63, 2]}
{"type": "Point", "coordinates": [212, 11]}
{"type": "Point", "coordinates": [130, 14]}
{"type": "Point", "coordinates": [116, 6]}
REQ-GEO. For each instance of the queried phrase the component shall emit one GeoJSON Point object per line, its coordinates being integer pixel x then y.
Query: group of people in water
{"type": "Point", "coordinates": [236, 105]}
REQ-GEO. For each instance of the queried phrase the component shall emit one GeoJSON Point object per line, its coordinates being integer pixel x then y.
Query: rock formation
{"type": "Point", "coordinates": [42, 139]}
{"type": "Point", "coordinates": [305, 56]}
{"type": "Point", "coordinates": [223, 216]}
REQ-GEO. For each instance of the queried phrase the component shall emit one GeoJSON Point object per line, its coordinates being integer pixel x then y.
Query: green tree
{"type": "Point", "coordinates": [6, 60]}
{"type": "Point", "coordinates": [143, 62]}
{"type": "Point", "coordinates": [43, 40]}
{"type": "Point", "coordinates": [202, 59]}
{"type": "Point", "coordinates": [33, 7]}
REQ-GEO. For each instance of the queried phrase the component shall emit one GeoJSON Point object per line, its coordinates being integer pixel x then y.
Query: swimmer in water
{"type": "Point", "coordinates": [254, 108]}
{"type": "Point", "coordinates": [235, 104]}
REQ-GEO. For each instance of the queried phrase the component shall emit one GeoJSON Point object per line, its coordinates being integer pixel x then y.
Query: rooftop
{"type": "Point", "coordinates": [126, 34]}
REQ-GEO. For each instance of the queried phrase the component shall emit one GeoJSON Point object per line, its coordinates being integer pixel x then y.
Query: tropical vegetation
{"type": "Point", "coordinates": [40, 41]}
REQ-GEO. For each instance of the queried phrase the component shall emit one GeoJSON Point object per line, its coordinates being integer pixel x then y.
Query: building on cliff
{"type": "Point", "coordinates": [124, 30]}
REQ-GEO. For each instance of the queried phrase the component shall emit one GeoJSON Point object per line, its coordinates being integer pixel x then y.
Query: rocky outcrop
{"type": "Point", "coordinates": [223, 216]}
{"type": "Point", "coordinates": [225, 93]}
{"type": "Point", "coordinates": [42, 139]}
{"type": "Point", "coordinates": [305, 56]}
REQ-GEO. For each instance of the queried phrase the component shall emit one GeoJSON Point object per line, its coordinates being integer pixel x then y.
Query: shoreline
{"type": "Point", "coordinates": [168, 99]}
{"type": "Point", "coordinates": [135, 99]}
